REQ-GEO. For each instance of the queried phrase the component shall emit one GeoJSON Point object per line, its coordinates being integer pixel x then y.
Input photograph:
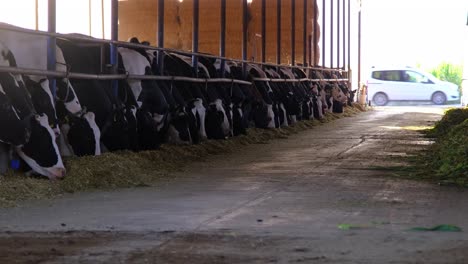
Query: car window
{"type": "Point", "coordinates": [387, 75]}
{"type": "Point", "coordinates": [412, 76]}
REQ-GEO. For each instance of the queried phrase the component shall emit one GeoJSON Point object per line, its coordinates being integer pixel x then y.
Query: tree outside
{"type": "Point", "coordinates": [449, 72]}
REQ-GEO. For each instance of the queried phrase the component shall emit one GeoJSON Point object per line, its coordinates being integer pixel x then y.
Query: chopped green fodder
{"type": "Point", "coordinates": [446, 161]}
{"type": "Point", "coordinates": [438, 228]}
{"type": "Point", "coordinates": [125, 169]}
{"type": "Point", "coordinates": [451, 118]}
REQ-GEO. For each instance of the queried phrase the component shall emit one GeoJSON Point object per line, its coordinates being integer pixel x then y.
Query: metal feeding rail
{"type": "Point", "coordinates": [74, 75]}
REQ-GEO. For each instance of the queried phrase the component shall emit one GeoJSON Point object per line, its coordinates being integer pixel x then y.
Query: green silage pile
{"type": "Point", "coordinates": [447, 158]}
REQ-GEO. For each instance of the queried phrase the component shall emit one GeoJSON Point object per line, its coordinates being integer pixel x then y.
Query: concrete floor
{"type": "Point", "coordinates": [281, 202]}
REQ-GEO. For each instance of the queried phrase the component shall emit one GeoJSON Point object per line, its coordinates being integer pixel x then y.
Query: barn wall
{"type": "Point", "coordinates": [139, 18]}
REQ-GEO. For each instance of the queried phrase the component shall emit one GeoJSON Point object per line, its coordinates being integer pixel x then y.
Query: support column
{"type": "Point", "coordinates": [322, 33]}
{"type": "Point", "coordinates": [338, 34]}
{"type": "Point", "coordinates": [278, 31]}
{"type": "Point", "coordinates": [195, 24]}
{"type": "Point", "coordinates": [113, 48]}
{"type": "Point", "coordinates": [293, 32]}
{"type": "Point", "coordinates": [51, 45]}
{"type": "Point", "coordinates": [222, 37]}
{"type": "Point", "coordinates": [331, 33]}
{"type": "Point", "coordinates": [244, 35]}
{"type": "Point", "coordinates": [304, 34]}
{"type": "Point", "coordinates": [160, 35]}
{"type": "Point", "coordinates": [263, 31]}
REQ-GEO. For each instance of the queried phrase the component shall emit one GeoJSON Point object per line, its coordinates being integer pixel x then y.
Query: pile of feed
{"type": "Point", "coordinates": [124, 169]}
{"type": "Point", "coordinates": [447, 159]}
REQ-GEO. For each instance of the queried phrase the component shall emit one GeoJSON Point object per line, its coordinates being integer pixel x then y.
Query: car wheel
{"type": "Point", "coordinates": [380, 99]}
{"type": "Point", "coordinates": [439, 98]}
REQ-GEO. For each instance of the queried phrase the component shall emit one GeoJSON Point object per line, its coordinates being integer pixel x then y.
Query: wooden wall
{"type": "Point", "coordinates": [139, 18]}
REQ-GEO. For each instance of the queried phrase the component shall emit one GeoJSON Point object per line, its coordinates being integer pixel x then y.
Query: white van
{"type": "Point", "coordinates": [396, 84]}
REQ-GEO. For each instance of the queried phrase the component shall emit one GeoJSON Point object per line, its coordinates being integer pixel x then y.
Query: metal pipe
{"type": "Point", "coordinates": [72, 75]}
{"type": "Point", "coordinates": [338, 34]}
{"type": "Point", "coordinates": [304, 34]}
{"type": "Point", "coordinates": [90, 17]}
{"type": "Point", "coordinates": [314, 37]}
{"type": "Point", "coordinates": [322, 33]}
{"type": "Point", "coordinates": [263, 31]}
{"type": "Point", "coordinates": [113, 48]}
{"type": "Point", "coordinates": [331, 33]}
{"type": "Point", "coordinates": [222, 37]}
{"type": "Point", "coordinates": [344, 34]}
{"type": "Point", "coordinates": [98, 42]}
{"type": "Point", "coordinates": [161, 23]}
{"type": "Point", "coordinates": [160, 35]}
{"type": "Point", "coordinates": [51, 45]}
{"type": "Point", "coordinates": [278, 31]}
{"type": "Point", "coordinates": [349, 35]}
{"type": "Point", "coordinates": [310, 52]}
{"type": "Point", "coordinates": [36, 13]}
{"type": "Point", "coordinates": [102, 20]}
{"type": "Point", "coordinates": [195, 24]}
{"type": "Point", "coordinates": [244, 35]}
{"type": "Point", "coordinates": [293, 32]}
{"type": "Point", "coordinates": [104, 77]}
{"type": "Point", "coordinates": [359, 46]}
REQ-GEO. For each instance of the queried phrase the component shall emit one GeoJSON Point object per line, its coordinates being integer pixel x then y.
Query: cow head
{"type": "Point", "coordinates": [41, 151]}
{"type": "Point", "coordinates": [84, 135]}
{"type": "Point", "coordinates": [66, 95]}
{"type": "Point", "coordinates": [178, 130]}
{"type": "Point", "coordinates": [43, 101]}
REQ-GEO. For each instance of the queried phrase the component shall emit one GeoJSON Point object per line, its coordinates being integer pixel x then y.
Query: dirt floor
{"type": "Point", "coordinates": [331, 194]}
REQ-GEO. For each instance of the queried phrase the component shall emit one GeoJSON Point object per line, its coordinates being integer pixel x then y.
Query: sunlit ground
{"type": "Point", "coordinates": [418, 106]}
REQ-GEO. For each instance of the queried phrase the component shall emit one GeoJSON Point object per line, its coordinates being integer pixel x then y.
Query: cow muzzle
{"type": "Point", "coordinates": [57, 173]}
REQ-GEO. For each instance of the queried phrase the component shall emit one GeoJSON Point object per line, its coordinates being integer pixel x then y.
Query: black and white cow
{"type": "Point", "coordinates": [35, 142]}
{"type": "Point", "coordinates": [30, 51]}
{"type": "Point", "coordinates": [263, 114]}
{"type": "Point", "coordinates": [115, 120]}
{"type": "Point", "coordinates": [234, 96]}
{"type": "Point", "coordinates": [194, 113]}
{"type": "Point", "coordinates": [152, 107]}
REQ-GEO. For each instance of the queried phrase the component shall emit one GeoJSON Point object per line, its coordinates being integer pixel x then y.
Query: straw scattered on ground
{"type": "Point", "coordinates": [125, 169]}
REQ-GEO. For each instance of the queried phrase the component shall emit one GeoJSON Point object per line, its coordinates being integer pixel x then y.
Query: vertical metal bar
{"type": "Point", "coordinates": [90, 18]}
{"type": "Point", "coordinates": [322, 33]}
{"type": "Point", "coordinates": [102, 20]}
{"type": "Point", "coordinates": [338, 34]}
{"type": "Point", "coordinates": [161, 23]}
{"type": "Point", "coordinates": [331, 33]}
{"type": "Point", "coordinates": [349, 35]}
{"type": "Point", "coordinates": [311, 63]}
{"type": "Point", "coordinates": [51, 45]}
{"type": "Point", "coordinates": [196, 14]}
{"type": "Point", "coordinates": [293, 32]}
{"type": "Point", "coordinates": [244, 34]}
{"type": "Point", "coordinates": [36, 13]}
{"type": "Point", "coordinates": [304, 34]}
{"type": "Point", "coordinates": [222, 37]}
{"type": "Point", "coordinates": [160, 35]}
{"type": "Point", "coordinates": [314, 37]}
{"type": "Point", "coordinates": [113, 49]}
{"type": "Point", "coordinates": [344, 34]}
{"type": "Point", "coordinates": [263, 31]}
{"type": "Point", "coordinates": [278, 31]}
{"type": "Point", "coordinates": [359, 47]}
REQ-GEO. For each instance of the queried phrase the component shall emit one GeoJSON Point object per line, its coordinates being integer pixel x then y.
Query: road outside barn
{"type": "Point", "coordinates": [315, 197]}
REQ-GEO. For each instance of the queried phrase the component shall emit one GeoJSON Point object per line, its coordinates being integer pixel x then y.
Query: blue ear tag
{"type": "Point", "coordinates": [15, 164]}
